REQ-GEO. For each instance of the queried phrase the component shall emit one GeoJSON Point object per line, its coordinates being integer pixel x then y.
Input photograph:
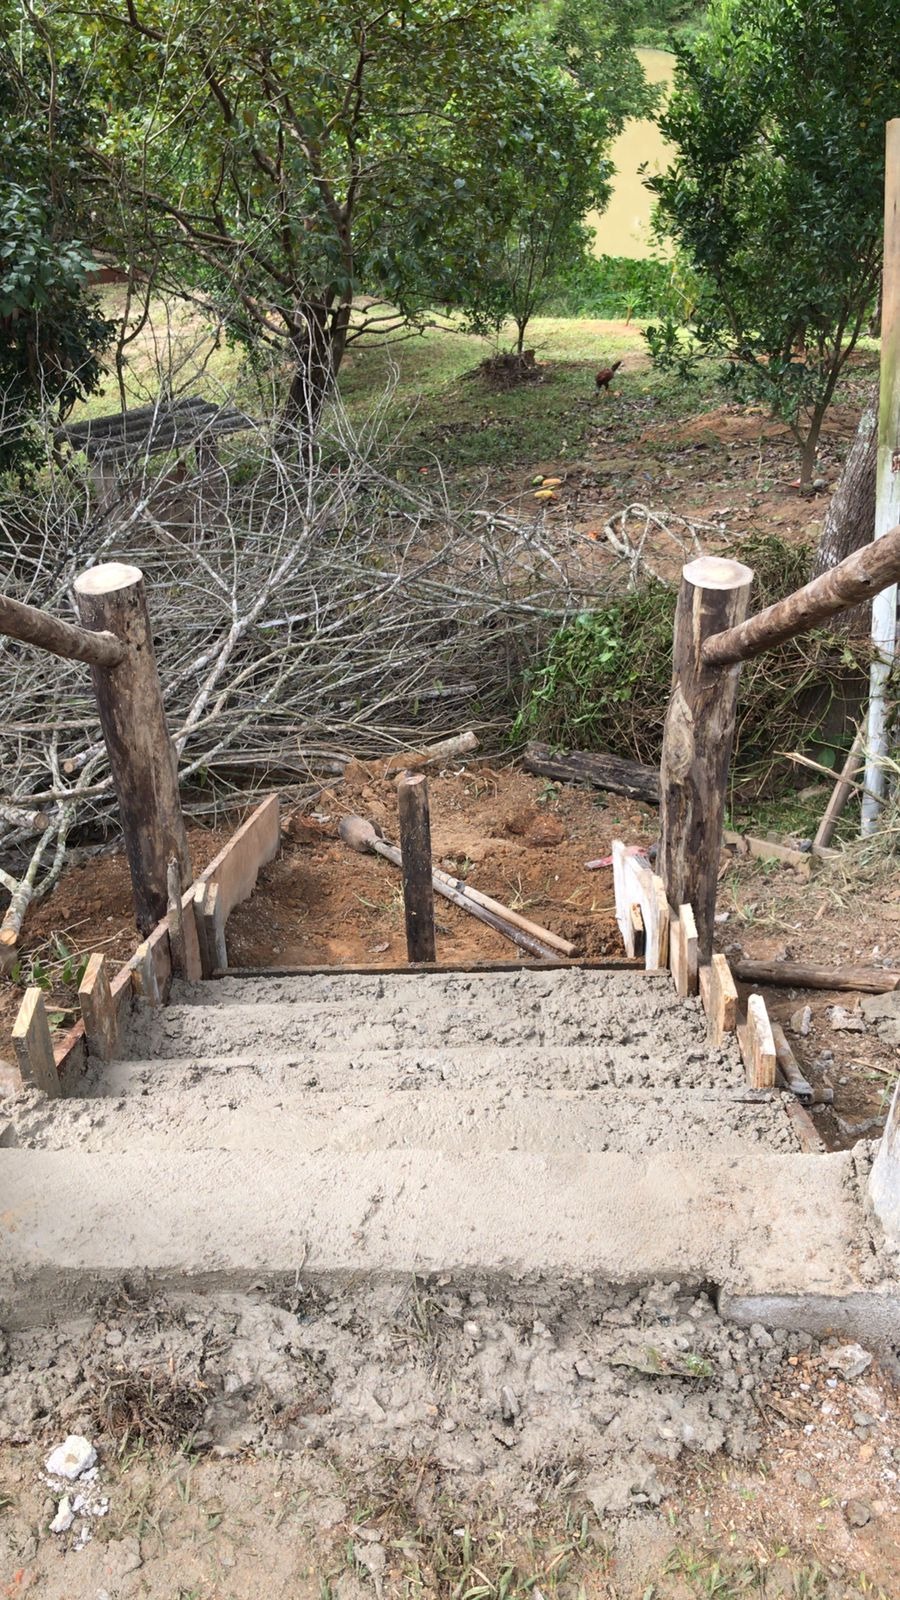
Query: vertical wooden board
{"type": "Point", "coordinates": [678, 958]}
{"type": "Point", "coordinates": [658, 892]}
{"type": "Point", "coordinates": [236, 868]}
{"type": "Point", "coordinates": [200, 891]}
{"type": "Point", "coordinates": [691, 944]}
{"type": "Point", "coordinates": [623, 902]}
{"type": "Point", "coordinates": [193, 965]}
{"type": "Point", "coordinates": [760, 1060]}
{"type": "Point", "coordinates": [637, 931]}
{"type": "Point", "coordinates": [723, 1000]}
{"type": "Point", "coordinates": [98, 1010]}
{"type": "Point", "coordinates": [33, 1045]}
{"type": "Point", "coordinates": [143, 975]}
{"type": "Point", "coordinates": [214, 929]}
{"type": "Point", "coordinates": [704, 977]}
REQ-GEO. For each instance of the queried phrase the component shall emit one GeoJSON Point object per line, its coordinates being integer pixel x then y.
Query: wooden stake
{"type": "Point", "coordinates": [415, 851]}
{"type": "Point", "coordinates": [143, 975]}
{"type": "Point", "coordinates": [723, 999]}
{"type": "Point", "coordinates": [175, 914]}
{"type": "Point", "coordinates": [683, 961]}
{"type": "Point", "coordinates": [142, 759]}
{"type": "Point", "coordinates": [757, 1045]}
{"type": "Point", "coordinates": [98, 1010]}
{"type": "Point", "coordinates": [214, 928]}
{"type": "Point", "coordinates": [887, 488]}
{"type": "Point", "coordinates": [789, 1066]}
{"type": "Point", "coordinates": [698, 736]}
{"type": "Point", "coordinates": [33, 1045]}
{"type": "Point", "coordinates": [842, 792]}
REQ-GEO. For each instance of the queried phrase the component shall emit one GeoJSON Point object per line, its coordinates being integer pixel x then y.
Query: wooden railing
{"type": "Point", "coordinates": [712, 637]}
{"type": "Point", "coordinates": [117, 643]}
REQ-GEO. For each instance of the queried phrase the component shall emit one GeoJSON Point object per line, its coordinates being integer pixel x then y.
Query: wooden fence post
{"type": "Point", "coordinates": [698, 737]}
{"type": "Point", "coordinates": [144, 770]}
{"type": "Point", "coordinates": [415, 850]}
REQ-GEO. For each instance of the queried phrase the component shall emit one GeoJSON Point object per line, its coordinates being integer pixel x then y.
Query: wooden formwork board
{"type": "Point", "coordinates": [636, 885]}
{"type": "Point", "coordinates": [149, 971]}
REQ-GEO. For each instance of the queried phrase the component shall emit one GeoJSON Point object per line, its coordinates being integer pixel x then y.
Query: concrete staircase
{"type": "Point", "coordinates": [518, 1124]}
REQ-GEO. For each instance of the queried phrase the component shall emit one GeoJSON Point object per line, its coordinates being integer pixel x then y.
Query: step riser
{"type": "Point", "coordinates": [204, 1118]}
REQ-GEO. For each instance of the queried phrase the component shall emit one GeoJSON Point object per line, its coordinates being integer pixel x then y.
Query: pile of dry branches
{"type": "Point", "coordinates": [306, 606]}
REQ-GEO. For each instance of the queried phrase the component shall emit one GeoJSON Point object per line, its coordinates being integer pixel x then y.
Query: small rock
{"type": "Point", "coordinates": [761, 1336]}
{"type": "Point", "coordinates": [115, 1337]}
{"type": "Point", "coordinates": [509, 1404]}
{"type": "Point", "coordinates": [805, 1480]}
{"type": "Point", "coordinates": [584, 1368]}
{"type": "Point", "coordinates": [472, 1330]}
{"type": "Point", "coordinates": [801, 1021]}
{"type": "Point", "coordinates": [71, 1459]}
{"type": "Point", "coordinates": [858, 1513]}
{"type": "Point", "coordinates": [64, 1518]}
{"type": "Point", "coordinates": [850, 1360]}
{"type": "Point", "coordinates": [844, 1021]}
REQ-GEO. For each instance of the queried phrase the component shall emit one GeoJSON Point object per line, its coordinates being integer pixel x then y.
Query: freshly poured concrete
{"type": "Point", "coordinates": [563, 1126]}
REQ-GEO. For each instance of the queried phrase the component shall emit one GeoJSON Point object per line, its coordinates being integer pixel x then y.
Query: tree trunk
{"type": "Point", "coordinates": [808, 453]}
{"type": "Point", "coordinates": [313, 371]}
{"type": "Point", "coordinates": [850, 519]}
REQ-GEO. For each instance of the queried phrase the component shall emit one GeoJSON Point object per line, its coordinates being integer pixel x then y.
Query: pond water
{"type": "Point", "coordinates": [623, 229]}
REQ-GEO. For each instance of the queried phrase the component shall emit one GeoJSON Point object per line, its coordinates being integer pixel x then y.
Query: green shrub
{"type": "Point", "coordinates": [617, 286]}
{"type": "Point", "coordinates": [603, 682]}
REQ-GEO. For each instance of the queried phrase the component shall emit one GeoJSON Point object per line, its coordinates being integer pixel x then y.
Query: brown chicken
{"type": "Point", "coordinates": [606, 374]}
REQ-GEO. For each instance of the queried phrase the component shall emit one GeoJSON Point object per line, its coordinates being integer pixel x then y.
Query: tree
{"type": "Point", "coordinates": [529, 233]}
{"type": "Point", "coordinates": [776, 196]}
{"type": "Point", "coordinates": [289, 161]}
{"type": "Point", "coordinates": [52, 329]}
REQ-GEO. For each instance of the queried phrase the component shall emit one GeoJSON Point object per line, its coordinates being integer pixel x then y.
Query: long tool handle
{"type": "Point", "coordinates": [544, 934]}
{"type": "Point", "coordinates": [458, 897]}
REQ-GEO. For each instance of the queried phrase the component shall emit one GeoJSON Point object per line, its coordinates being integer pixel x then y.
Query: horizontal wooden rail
{"type": "Point", "coordinates": [860, 577]}
{"type": "Point", "coordinates": [64, 639]}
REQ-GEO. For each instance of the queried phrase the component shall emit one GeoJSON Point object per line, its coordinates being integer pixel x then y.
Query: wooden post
{"type": "Point", "coordinates": [33, 1045]}
{"type": "Point", "coordinates": [415, 849]}
{"type": "Point", "coordinates": [111, 597]}
{"type": "Point", "coordinates": [887, 486]}
{"type": "Point", "coordinates": [697, 741]}
{"type": "Point", "coordinates": [98, 1010]}
{"type": "Point", "coordinates": [175, 913]}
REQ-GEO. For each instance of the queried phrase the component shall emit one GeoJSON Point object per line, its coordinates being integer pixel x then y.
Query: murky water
{"type": "Point", "coordinates": [623, 229]}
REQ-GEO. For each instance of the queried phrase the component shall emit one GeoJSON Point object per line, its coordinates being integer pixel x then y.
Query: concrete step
{"type": "Point", "coordinates": [642, 1027]}
{"type": "Point", "coordinates": [756, 1227]}
{"type": "Point", "coordinates": [459, 1067]}
{"type": "Point", "coordinates": [434, 988]}
{"type": "Point", "coordinates": [213, 1113]}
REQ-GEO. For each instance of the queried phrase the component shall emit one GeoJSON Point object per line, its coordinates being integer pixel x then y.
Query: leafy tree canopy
{"type": "Point", "coordinates": [776, 194]}
{"type": "Point", "coordinates": [52, 330]}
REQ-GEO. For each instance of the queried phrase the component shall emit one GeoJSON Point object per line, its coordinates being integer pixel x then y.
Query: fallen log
{"type": "Point", "coordinates": [796, 975]}
{"type": "Point", "coordinates": [629, 778]}
{"type": "Point", "coordinates": [361, 835]}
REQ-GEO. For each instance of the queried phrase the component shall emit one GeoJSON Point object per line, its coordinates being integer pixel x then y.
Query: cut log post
{"type": "Point", "coordinates": [723, 999]}
{"type": "Point", "coordinates": [757, 1045]}
{"type": "Point", "coordinates": [796, 975]}
{"type": "Point", "coordinates": [629, 778]}
{"type": "Point", "coordinates": [842, 792]}
{"type": "Point", "coordinates": [415, 851]}
{"type": "Point", "coordinates": [141, 755]}
{"type": "Point", "coordinates": [697, 740]}
{"type": "Point", "coordinates": [33, 1045]}
{"type": "Point", "coordinates": [99, 1012]}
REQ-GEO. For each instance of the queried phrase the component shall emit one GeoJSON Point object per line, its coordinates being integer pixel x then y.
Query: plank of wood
{"type": "Point", "coordinates": [758, 1045]}
{"type": "Point", "coordinates": [683, 962]}
{"type": "Point", "coordinates": [629, 778]}
{"type": "Point", "coordinates": [142, 969]}
{"type": "Point", "coordinates": [723, 999]}
{"type": "Point", "coordinates": [638, 934]}
{"type": "Point", "coordinates": [658, 892]}
{"type": "Point", "coordinates": [620, 890]}
{"type": "Point", "coordinates": [789, 1066]}
{"type": "Point", "coordinates": [33, 1044]}
{"type": "Point", "coordinates": [799, 975]}
{"type": "Point", "coordinates": [398, 968]}
{"type": "Point", "coordinates": [207, 964]}
{"type": "Point", "coordinates": [98, 1010]}
{"type": "Point", "coordinates": [236, 868]}
{"type": "Point", "coordinates": [769, 850]}
{"type": "Point", "coordinates": [175, 914]}
{"type": "Point", "coordinates": [214, 928]}
{"type": "Point", "coordinates": [704, 984]}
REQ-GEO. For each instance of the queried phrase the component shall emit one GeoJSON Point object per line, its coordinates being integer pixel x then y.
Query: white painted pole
{"type": "Point", "coordinates": [887, 503]}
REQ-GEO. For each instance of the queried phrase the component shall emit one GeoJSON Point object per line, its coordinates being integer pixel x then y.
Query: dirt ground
{"type": "Point", "coordinates": [425, 1440]}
